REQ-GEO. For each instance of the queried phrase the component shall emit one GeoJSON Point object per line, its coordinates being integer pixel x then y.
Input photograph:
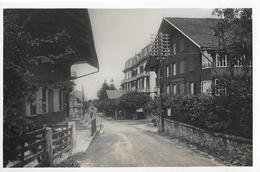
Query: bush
{"type": "Point", "coordinates": [70, 162]}
{"type": "Point", "coordinates": [231, 115]}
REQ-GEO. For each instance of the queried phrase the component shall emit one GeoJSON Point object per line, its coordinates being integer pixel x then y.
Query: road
{"type": "Point", "coordinates": [124, 144]}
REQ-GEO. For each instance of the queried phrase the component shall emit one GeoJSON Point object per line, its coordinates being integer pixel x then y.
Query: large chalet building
{"type": "Point", "coordinates": [193, 62]}
{"type": "Point", "coordinates": [136, 78]}
{"type": "Point", "coordinates": [51, 102]}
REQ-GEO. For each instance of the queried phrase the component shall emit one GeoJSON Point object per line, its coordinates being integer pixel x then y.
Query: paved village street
{"type": "Point", "coordinates": [128, 143]}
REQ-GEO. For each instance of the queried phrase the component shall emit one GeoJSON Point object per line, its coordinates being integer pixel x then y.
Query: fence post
{"type": "Point", "coordinates": [49, 149]}
{"type": "Point", "coordinates": [93, 126]}
{"type": "Point", "coordinates": [72, 124]}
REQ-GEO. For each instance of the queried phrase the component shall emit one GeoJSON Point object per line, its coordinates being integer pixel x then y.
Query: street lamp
{"type": "Point", "coordinates": [160, 50]}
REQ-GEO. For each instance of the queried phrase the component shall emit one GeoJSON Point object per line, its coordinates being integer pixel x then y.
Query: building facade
{"type": "Point", "coordinates": [51, 100]}
{"type": "Point", "coordinates": [76, 104]}
{"type": "Point", "coordinates": [193, 63]}
{"type": "Point", "coordinates": [135, 77]}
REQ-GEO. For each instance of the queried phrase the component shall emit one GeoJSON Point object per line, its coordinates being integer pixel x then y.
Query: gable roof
{"type": "Point", "coordinates": [114, 94]}
{"type": "Point", "coordinates": [198, 30]}
{"type": "Point", "coordinates": [43, 22]}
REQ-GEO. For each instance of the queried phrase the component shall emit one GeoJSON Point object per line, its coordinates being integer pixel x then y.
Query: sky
{"type": "Point", "coordinates": [118, 35]}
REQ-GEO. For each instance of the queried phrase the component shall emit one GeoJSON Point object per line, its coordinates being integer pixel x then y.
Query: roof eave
{"type": "Point", "coordinates": [194, 42]}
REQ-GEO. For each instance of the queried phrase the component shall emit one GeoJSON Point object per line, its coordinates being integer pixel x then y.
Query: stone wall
{"type": "Point", "coordinates": [232, 149]}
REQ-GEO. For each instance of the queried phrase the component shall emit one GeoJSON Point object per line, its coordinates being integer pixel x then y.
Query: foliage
{"type": "Point", "coordinates": [102, 95]}
{"type": "Point", "coordinates": [234, 32]}
{"type": "Point", "coordinates": [70, 162]}
{"type": "Point", "coordinates": [103, 103]}
{"type": "Point", "coordinates": [21, 52]}
{"type": "Point", "coordinates": [222, 114]}
{"type": "Point", "coordinates": [133, 100]}
{"type": "Point", "coordinates": [151, 107]}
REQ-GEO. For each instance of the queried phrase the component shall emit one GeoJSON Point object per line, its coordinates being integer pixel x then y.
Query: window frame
{"type": "Point", "coordinates": [208, 56]}
{"type": "Point", "coordinates": [223, 62]}
{"type": "Point", "coordinates": [191, 88]}
{"type": "Point", "coordinates": [218, 90]}
{"type": "Point", "coordinates": [207, 91]}
{"type": "Point", "coordinates": [174, 69]}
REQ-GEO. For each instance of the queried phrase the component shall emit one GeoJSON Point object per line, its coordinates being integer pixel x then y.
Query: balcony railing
{"type": "Point", "coordinates": [144, 74]}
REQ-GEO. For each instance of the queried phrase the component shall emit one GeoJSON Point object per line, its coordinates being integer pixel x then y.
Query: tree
{"type": "Point", "coordinates": [21, 51]}
{"type": "Point", "coordinates": [132, 101]}
{"type": "Point", "coordinates": [104, 103]}
{"type": "Point", "coordinates": [234, 32]}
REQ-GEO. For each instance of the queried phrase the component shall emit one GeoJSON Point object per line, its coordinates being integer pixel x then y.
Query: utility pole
{"type": "Point", "coordinates": [160, 50]}
{"type": "Point", "coordinates": [82, 90]}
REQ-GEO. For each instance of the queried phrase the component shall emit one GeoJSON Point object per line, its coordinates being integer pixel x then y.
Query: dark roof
{"type": "Point", "coordinates": [197, 29]}
{"type": "Point", "coordinates": [114, 94]}
{"type": "Point", "coordinates": [44, 22]}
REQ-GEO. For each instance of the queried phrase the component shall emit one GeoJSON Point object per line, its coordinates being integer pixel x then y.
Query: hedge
{"type": "Point", "coordinates": [225, 114]}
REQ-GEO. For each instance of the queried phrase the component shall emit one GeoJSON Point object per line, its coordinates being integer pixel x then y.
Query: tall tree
{"type": "Point", "coordinates": [234, 32]}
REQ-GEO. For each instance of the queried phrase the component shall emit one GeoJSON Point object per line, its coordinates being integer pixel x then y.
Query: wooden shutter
{"type": "Point", "coordinates": [56, 101]}
{"type": "Point", "coordinates": [39, 101]}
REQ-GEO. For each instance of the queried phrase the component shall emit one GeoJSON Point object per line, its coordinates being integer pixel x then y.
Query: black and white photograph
{"type": "Point", "coordinates": [127, 87]}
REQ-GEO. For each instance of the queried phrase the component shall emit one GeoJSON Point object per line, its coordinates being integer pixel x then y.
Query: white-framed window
{"type": "Point", "coordinates": [191, 88]}
{"type": "Point", "coordinates": [174, 89]}
{"type": "Point", "coordinates": [169, 111]}
{"type": "Point", "coordinates": [206, 86]}
{"type": "Point", "coordinates": [174, 49]}
{"type": "Point", "coordinates": [39, 105]}
{"type": "Point", "coordinates": [206, 60]}
{"type": "Point", "coordinates": [240, 61]}
{"type": "Point", "coordinates": [167, 71]}
{"type": "Point", "coordinates": [168, 89]}
{"type": "Point", "coordinates": [219, 90]}
{"type": "Point", "coordinates": [221, 61]}
{"type": "Point", "coordinates": [174, 69]}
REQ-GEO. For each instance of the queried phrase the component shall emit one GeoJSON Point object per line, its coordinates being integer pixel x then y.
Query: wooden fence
{"type": "Point", "coordinates": [45, 145]}
{"type": "Point", "coordinates": [61, 140]}
{"type": "Point", "coordinates": [25, 148]}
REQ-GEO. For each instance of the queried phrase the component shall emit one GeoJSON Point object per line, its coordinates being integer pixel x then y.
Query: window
{"type": "Point", "coordinates": [221, 61]}
{"type": "Point", "coordinates": [39, 104]}
{"type": "Point", "coordinates": [219, 90]}
{"type": "Point", "coordinates": [169, 111]}
{"type": "Point", "coordinates": [174, 48]}
{"type": "Point", "coordinates": [182, 66]}
{"type": "Point", "coordinates": [240, 61]}
{"type": "Point", "coordinates": [174, 69]}
{"type": "Point", "coordinates": [191, 91]}
{"type": "Point", "coordinates": [206, 60]}
{"type": "Point", "coordinates": [181, 45]}
{"type": "Point", "coordinates": [167, 71]}
{"type": "Point", "coordinates": [168, 89]}
{"type": "Point", "coordinates": [206, 87]}
{"type": "Point", "coordinates": [174, 89]}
